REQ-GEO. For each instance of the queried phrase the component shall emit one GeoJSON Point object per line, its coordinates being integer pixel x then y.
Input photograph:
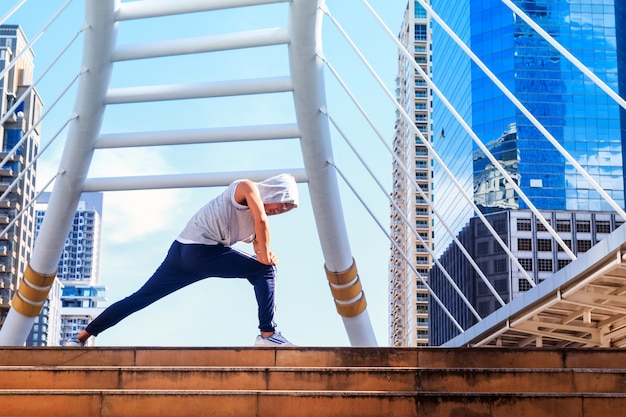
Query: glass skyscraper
{"type": "Point", "coordinates": [588, 123]}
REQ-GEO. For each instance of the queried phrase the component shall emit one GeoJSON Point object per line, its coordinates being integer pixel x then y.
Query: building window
{"type": "Point", "coordinates": [421, 33]}
{"type": "Point", "coordinates": [583, 245]}
{"type": "Point", "coordinates": [583, 226]}
{"type": "Point", "coordinates": [562, 263]}
{"type": "Point", "coordinates": [524, 285]}
{"type": "Point", "coordinates": [482, 248]}
{"type": "Point", "coordinates": [523, 225]}
{"type": "Point", "coordinates": [541, 227]}
{"type": "Point", "coordinates": [500, 265]}
{"type": "Point", "coordinates": [603, 226]}
{"type": "Point", "coordinates": [483, 289]}
{"type": "Point", "coordinates": [544, 245]}
{"type": "Point", "coordinates": [500, 225]}
{"type": "Point", "coordinates": [563, 226]}
{"type": "Point", "coordinates": [421, 224]}
{"type": "Point", "coordinates": [501, 286]}
{"type": "Point", "coordinates": [524, 244]}
{"type": "Point", "coordinates": [420, 12]}
{"type": "Point", "coordinates": [526, 263]}
{"type": "Point", "coordinates": [497, 248]}
{"type": "Point", "coordinates": [568, 243]}
{"type": "Point", "coordinates": [544, 265]}
{"type": "Point", "coordinates": [484, 308]}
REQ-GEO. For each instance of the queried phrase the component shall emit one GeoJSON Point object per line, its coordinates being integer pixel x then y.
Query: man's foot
{"type": "Point", "coordinates": [74, 342]}
{"type": "Point", "coordinates": [276, 339]}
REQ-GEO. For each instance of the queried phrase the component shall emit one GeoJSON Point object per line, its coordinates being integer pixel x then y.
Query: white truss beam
{"type": "Point", "coordinates": [229, 41]}
{"type": "Point", "coordinates": [194, 136]}
{"type": "Point", "coordinates": [198, 90]}
{"type": "Point", "coordinates": [155, 8]}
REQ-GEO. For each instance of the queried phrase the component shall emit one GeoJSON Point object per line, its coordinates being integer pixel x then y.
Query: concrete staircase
{"type": "Point", "coordinates": [320, 382]}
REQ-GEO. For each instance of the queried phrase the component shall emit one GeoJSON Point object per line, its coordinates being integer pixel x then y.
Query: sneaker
{"type": "Point", "coordinates": [74, 342]}
{"type": "Point", "coordinates": [276, 339]}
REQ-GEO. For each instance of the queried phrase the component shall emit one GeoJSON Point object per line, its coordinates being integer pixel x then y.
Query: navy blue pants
{"type": "Point", "coordinates": [186, 264]}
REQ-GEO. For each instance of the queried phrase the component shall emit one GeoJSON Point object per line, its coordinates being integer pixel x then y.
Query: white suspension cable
{"type": "Point", "coordinates": [27, 92]}
{"type": "Point", "coordinates": [406, 221]}
{"type": "Point", "coordinates": [12, 11]}
{"type": "Point", "coordinates": [33, 40]}
{"type": "Point", "coordinates": [430, 290]}
{"type": "Point", "coordinates": [37, 123]}
{"type": "Point", "coordinates": [426, 143]}
{"type": "Point", "coordinates": [414, 184]}
{"type": "Point", "coordinates": [571, 58]}
{"type": "Point", "coordinates": [21, 213]}
{"type": "Point", "coordinates": [34, 160]}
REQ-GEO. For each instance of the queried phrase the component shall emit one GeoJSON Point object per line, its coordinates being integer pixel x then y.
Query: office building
{"type": "Point", "coordinates": [20, 111]}
{"type": "Point", "coordinates": [587, 122]}
{"type": "Point", "coordinates": [410, 217]}
{"type": "Point", "coordinates": [78, 271]}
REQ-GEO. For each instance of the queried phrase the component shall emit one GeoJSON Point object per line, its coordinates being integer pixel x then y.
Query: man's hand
{"type": "Point", "coordinates": [270, 259]}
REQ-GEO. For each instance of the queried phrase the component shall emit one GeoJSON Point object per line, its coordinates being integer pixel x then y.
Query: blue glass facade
{"type": "Point", "coordinates": [620, 25]}
{"type": "Point", "coordinates": [453, 75]}
{"type": "Point", "coordinates": [583, 119]}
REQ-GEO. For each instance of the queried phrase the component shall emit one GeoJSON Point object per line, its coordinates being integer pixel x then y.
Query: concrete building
{"type": "Point", "coordinates": [410, 259]}
{"type": "Point", "coordinates": [78, 271]}
{"type": "Point", "coordinates": [20, 111]}
{"type": "Point", "coordinates": [583, 119]}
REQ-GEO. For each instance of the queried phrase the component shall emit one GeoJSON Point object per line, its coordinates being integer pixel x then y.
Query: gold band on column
{"type": "Point", "coordinates": [40, 280]}
{"type": "Point", "coordinates": [352, 309]}
{"type": "Point", "coordinates": [346, 286]}
{"type": "Point", "coordinates": [24, 307]}
{"type": "Point", "coordinates": [344, 277]}
{"type": "Point", "coordinates": [32, 292]}
{"type": "Point", "coordinates": [346, 293]}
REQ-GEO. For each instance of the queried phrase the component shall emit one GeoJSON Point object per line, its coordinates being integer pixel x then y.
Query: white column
{"type": "Point", "coordinates": [307, 74]}
{"type": "Point", "coordinates": [99, 41]}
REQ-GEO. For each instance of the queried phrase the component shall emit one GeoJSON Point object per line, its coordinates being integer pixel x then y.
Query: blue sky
{"type": "Point", "coordinates": [138, 227]}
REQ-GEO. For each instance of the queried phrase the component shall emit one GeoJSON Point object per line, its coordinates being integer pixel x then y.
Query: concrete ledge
{"type": "Point", "coordinates": [430, 357]}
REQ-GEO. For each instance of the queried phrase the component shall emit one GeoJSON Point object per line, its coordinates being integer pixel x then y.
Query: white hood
{"type": "Point", "coordinates": [279, 189]}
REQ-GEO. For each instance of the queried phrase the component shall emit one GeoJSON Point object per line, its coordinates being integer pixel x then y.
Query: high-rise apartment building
{"type": "Point", "coordinates": [411, 216]}
{"type": "Point", "coordinates": [78, 270]}
{"type": "Point", "coordinates": [20, 111]}
{"type": "Point", "coordinates": [583, 119]}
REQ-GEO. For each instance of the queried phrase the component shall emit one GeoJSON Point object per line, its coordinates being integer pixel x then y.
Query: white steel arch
{"type": "Point", "coordinates": [306, 82]}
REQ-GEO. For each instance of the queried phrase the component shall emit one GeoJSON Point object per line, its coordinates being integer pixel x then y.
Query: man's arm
{"type": "Point", "coordinates": [247, 193]}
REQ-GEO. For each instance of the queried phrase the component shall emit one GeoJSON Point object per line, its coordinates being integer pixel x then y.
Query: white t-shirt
{"type": "Point", "coordinates": [221, 220]}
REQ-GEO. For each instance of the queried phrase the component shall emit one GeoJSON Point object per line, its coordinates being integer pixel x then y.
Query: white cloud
{"type": "Point", "coordinates": [135, 214]}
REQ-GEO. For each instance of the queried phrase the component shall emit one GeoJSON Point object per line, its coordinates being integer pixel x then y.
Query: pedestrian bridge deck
{"type": "Point", "coordinates": [582, 305]}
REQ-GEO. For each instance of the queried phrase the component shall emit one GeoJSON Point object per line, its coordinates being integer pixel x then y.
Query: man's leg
{"type": "Point", "coordinates": [226, 262]}
{"type": "Point", "coordinates": [166, 279]}
{"type": "Point", "coordinates": [264, 290]}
